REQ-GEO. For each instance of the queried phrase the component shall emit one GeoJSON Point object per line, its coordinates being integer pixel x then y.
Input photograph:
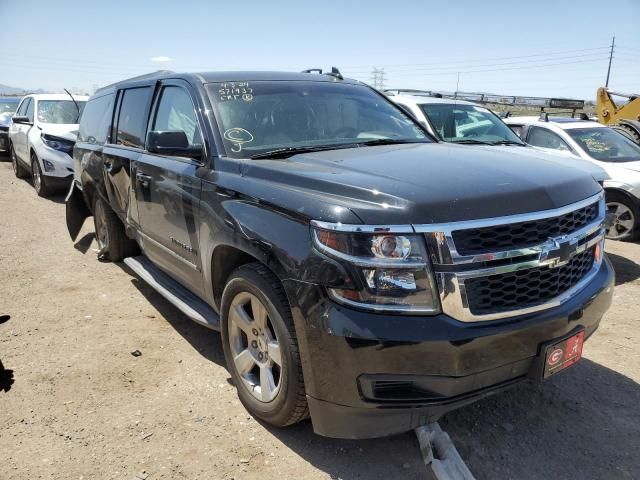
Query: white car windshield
{"type": "Point", "coordinates": [461, 123]}
{"type": "Point", "coordinates": [606, 145]}
{"type": "Point", "coordinates": [256, 118]}
{"type": "Point", "coordinates": [60, 111]}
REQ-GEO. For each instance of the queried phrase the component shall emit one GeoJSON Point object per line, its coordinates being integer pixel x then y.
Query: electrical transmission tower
{"type": "Point", "coordinates": [378, 78]}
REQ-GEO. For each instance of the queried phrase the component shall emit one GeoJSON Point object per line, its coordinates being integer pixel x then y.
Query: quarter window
{"type": "Point", "coordinates": [176, 112]}
{"type": "Point", "coordinates": [541, 137]}
{"type": "Point", "coordinates": [132, 120]}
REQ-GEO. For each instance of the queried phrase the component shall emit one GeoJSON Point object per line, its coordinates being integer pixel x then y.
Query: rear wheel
{"type": "Point", "coordinates": [113, 243]}
{"type": "Point", "coordinates": [39, 180]}
{"type": "Point", "coordinates": [18, 170]}
{"type": "Point", "coordinates": [625, 223]}
{"type": "Point", "coordinates": [260, 346]}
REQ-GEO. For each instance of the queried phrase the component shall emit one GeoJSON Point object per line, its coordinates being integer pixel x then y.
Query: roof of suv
{"type": "Point", "coordinates": [232, 76]}
{"type": "Point", "coordinates": [559, 122]}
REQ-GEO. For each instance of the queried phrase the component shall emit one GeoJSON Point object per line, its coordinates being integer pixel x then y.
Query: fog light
{"type": "Point", "coordinates": [597, 252]}
{"type": "Point", "coordinates": [48, 166]}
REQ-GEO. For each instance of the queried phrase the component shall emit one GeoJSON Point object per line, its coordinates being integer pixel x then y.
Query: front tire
{"type": "Point", "coordinates": [39, 180]}
{"type": "Point", "coordinates": [113, 243]}
{"type": "Point", "coordinates": [18, 170]}
{"type": "Point", "coordinates": [626, 224]}
{"type": "Point", "coordinates": [260, 346]}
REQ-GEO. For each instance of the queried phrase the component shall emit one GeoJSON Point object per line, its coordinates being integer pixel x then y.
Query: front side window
{"type": "Point", "coordinates": [605, 144]}
{"type": "Point", "coordinates": [541, 137]}
{"type": "Point", "coordinates": [176, 112]}
{"type": "Point", "coordinates": [460, 123]}
{"type": "Point", "coordinates": [60, 111]}
{"type": "Point", "coordinates": [132, 120]}
{"type": "Point", "coordinates": [28, 111]}
{"type": "Point", "coordinates": [257, 117]}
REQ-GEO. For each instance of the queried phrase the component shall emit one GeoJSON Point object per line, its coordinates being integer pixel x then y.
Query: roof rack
{"type": "Point", "coordinates": [333, 73]}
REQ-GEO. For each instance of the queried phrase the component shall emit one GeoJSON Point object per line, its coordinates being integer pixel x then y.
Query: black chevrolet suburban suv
{"type": "Point", "coordinates": [360, 272]}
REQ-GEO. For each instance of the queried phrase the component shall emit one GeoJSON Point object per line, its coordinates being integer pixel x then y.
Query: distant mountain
{"type": "Point", "coordinates": [7, 90]}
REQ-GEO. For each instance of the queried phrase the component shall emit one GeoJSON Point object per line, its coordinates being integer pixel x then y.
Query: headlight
{"type": "Point", "coordinates": [391, 270]}
{"type": "Point", "coordinates": [57, 143]}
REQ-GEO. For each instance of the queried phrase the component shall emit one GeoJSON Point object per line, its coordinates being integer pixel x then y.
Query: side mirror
{"type": "Point", "coordinates": [172, 143]}
{"type": "Point", "coordinates": [22, 120]}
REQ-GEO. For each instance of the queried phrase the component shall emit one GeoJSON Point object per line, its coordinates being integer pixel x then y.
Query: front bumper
{"type": "Point", "coordinates": [370, 375]}
{"type": "Point", "coordinates": [61, 162]}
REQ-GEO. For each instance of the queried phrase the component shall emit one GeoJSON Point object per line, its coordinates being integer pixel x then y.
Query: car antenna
{"type": "Point", "coordinates": [75, 103]}
{"type": "Point", "coordinates": [335, 73]}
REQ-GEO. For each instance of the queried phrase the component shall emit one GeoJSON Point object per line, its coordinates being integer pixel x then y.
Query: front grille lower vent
{"type": "Point", "coordinates": [524, 234]}
{"type": "Point", "coordinates": [525, 288]}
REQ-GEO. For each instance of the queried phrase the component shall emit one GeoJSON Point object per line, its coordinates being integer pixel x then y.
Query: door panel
{"type": "Point", "coordinates": [168, 196]}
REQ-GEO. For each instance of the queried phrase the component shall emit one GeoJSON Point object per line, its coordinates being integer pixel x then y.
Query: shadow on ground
{"type": "Point", "coordinates": [581, 424]}
{"type": "Point", "coordinates": [626, 269]}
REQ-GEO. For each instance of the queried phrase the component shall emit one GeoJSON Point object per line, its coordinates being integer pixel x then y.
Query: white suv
{"type": "Point", "coordinates": [41, 139]}
{"type": "Point", "coordinates": [602, 146]}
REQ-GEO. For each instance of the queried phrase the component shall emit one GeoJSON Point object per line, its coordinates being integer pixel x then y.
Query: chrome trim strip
{"type": "Point", "coordinates": [494, 221]}
{"type": "Point", "coordinates": [146, 237]}
{"type": "Point", "coordinates": [351, 228]}
{"type": "Point", "coordinates": [405, 309]}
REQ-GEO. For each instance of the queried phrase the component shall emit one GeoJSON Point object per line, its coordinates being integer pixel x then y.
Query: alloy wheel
{"type": "Point", "coordinates": [37, 176]}
{"type": "Point", "coordinates": [255, 347]}
{"type": "Point", "coordinates": [623, 223]}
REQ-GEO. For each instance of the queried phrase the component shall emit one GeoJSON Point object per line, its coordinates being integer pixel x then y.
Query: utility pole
{"type": "Point", "coordinates": [613, 43]}
{"type": "Point", "coordinates": [377, 78]}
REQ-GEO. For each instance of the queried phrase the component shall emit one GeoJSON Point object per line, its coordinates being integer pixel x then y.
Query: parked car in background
{"type": "Point", "coordinates": [360, 271]}
{"type": "Point", "coordinates": [41, 139]}
{"type": "Point", "coordinates": [8, 106]}
{"type": "Point", "coordinates": [467, 123]}
{"type": "Point", "coordinates": [601, 145]}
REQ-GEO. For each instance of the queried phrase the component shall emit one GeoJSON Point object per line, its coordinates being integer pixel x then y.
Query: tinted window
{"type": "Point", "coordinates": [605, 144]}
{"type": "Point", "coordinates": [541, 137]}
{"type": "Point", "coordinates": [460, 123]}
{"type": "Point", "coordinates": [29, 110]}
{"type": "Point", "coordinates": [176, 112]}
{"type": "Point", "coordinates": [133, 117]}
{"type": "Point", "coordinates": [256, 117]}
{"type": "Point", "coordinates": [96, 120]}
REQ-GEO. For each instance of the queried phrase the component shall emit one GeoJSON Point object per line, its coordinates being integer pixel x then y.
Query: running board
{"type": "Point", "coordinates": [188, 303]}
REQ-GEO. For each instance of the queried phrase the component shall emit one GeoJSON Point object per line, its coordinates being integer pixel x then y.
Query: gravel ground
{"type": "Point", "coordinates": [83, 407]}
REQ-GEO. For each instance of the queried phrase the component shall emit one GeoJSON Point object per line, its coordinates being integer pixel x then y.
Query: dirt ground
{"type": "Point", "coordinates": [83, 407]}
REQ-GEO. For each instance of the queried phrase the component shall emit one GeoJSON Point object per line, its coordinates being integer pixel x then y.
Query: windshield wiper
{"type": "Point", "coordinates": [290, 151]}
{"type": "Point", "coordinates": [390, 141]}
{"type": "Point", "coordinates": [508, 142]}
{"type": "Point", "coordinates": [469, 141]}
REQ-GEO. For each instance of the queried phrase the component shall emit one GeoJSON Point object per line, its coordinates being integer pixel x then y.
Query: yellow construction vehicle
{"type": "Point", "coordinates": [623, 117]}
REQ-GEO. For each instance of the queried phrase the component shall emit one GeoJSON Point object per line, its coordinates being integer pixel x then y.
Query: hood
{"type": "Point", "coordinates": [62, 130]}
{"type": "Point", "coordinates": [634, 166]}
{"type": "Point", "coordinates": [563, 158]}
{"type": "Point", "coordinates": [416, 183]}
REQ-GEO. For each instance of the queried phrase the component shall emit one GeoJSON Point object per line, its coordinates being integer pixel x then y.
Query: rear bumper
{"type": "Point", "coordinates": [370, 375]}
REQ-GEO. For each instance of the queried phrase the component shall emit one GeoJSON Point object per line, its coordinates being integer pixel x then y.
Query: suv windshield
{"type": "Point", "coordinates": [460, 123]}
{"type": "Point", "coordinates": [8, 106]}
{"type": "Point", "coordinates": [605, 144]}
{"type": "Point", "coordinates": [59, 111]}
{"type": "Point", "coordinates": [259, 117]}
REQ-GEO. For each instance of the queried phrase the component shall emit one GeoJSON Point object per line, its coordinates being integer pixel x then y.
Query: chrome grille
{"type": "Point", "coordinates": [522, 234]}
{"type": "Point", "coordinates": [508, 266]}
{"type": "Point", "coordinates": [525, 288]}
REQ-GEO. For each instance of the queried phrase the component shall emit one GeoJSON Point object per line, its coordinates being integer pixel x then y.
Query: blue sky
{"type": "Point", "coordinates": [546, 48]}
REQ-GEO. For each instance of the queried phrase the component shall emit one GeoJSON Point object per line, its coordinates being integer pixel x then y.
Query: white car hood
{"type": "Point", "coordinates": [635, 166]}
{"type": "Point", "coordinates": [566, 159]}
{"type": "Point", "coordinates": [65, 130]}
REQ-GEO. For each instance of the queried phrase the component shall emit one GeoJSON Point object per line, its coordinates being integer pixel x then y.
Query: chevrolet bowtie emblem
{"type": "Point", "coordinates": [558, 251]}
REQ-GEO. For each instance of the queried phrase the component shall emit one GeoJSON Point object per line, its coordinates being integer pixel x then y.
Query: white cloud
{"type": "Point", "coordinates": [161, 59]}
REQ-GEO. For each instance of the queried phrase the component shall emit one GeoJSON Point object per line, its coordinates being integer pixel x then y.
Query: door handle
{"type": "Point", "coordinates": [143, 179]}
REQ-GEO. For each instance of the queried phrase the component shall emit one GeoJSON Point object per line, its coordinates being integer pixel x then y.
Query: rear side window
{"type": "Point", "coordinates": [541, 137]}
{"type": "Point", "coordinates": [132, 120]}
{"type": "Point", "coordinates": [96, 120]}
